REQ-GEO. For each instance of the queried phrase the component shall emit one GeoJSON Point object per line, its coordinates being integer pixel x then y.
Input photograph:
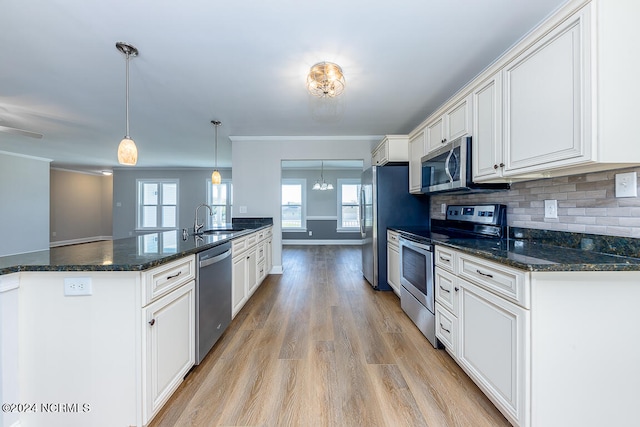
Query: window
{"type": "Point", "coordinates": [348, 204]}
{"type": "Point", "coordinates": [157, 204]}
{"type": "Point", "coordinates": [293, 204]}
{"type": "Point", "coordinates": [219, 197]}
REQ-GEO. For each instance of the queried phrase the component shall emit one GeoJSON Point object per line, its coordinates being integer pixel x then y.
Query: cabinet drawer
{"type": "Point", "coordinates": [504, 281]}
{"type": "Point", "coordinates": [447, 329]}
{"type": "Point", "coordinates": [163, 279]}
{"type": "Point", "coordinates": [392, 238]}
{"type": "Point", "coordinates": [252, 239]}
{"type": "Point", "coordinates": [260, 251]}
{"type": "Point", "coordinates": [238, 245]}
{"type": "Point", "coordinates": [447, 290]}
{"type": "Point", "coordinates": [260, 235]}
{"type": "Point", "coordinates": [268, 232]}
{"type": "Point", "coordinates": [445, 258]}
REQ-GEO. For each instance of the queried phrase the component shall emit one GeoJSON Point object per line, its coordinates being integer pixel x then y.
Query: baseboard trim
{"type": "Point", "coordinates": [276, 269]}
{"type": "Point", "coordinates": [292, 242]}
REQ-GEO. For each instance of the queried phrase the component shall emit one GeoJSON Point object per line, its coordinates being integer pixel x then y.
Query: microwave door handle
{"type": "Point", "coordinates": [446, 166]}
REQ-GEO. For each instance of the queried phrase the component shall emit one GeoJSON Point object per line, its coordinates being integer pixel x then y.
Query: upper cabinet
{"type": "Point", "coordinates": [453, 123]}
{"type": "Point", "coordinates": [487, 129]}
{"type": "Point", "coordinates": [416, 151]}
{"type": "Point", "coordinates": [547, 100]}
{"type": "Point", "coordinates": [393, 148]}
{"type": "Point", "coordinates": [558, 103]}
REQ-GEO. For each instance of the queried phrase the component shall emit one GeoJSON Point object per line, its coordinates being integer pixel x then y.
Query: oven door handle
{"type": "Point", "coordinates": [418, 246]}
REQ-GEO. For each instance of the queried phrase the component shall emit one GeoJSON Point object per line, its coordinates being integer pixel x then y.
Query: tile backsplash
{"type": "Point", "coordinates": [586, 204]}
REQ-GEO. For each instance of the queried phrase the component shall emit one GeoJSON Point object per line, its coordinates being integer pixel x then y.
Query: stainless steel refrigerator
{"type": "Point", "coordinates": [385, 201]}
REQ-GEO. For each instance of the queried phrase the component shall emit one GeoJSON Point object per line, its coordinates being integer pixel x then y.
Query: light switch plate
{"type": "Point", "coordinates": [551, 209]}
{"type": "Point", "coordinates": [627, 184]}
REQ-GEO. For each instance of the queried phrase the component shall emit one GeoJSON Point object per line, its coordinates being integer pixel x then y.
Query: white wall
{"type": "Point", "coordinates": [257, 171]}
{"type": "Point", "coordinates": [24, 203]}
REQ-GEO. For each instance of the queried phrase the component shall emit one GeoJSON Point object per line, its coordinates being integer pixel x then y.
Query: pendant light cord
{"type": "Point", "coordinates": [216, 150]}
{"type": "Point", "coordinates": [127, 97]}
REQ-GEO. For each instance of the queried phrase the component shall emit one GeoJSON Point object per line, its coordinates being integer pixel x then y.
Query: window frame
{"type": "Point", "coordinates": [303, 204]}
{"type": "Point", "coordinates": [139, 203]}
{"type": "Point", "coordinates": [340, 183]}
{"type": "Point", "coordinates": [228, 207]}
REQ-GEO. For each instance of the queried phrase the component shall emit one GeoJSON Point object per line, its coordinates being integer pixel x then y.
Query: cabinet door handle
{"type": "Point", "coordinates": [456, 288]}
{"type": "Point", "coordinates": [152, 322]}
{"type": "Point", "coordinates": [446, 290]}
{"type": "Point", "coordinates": [444, 329]}
{"type": "Point", "coordinates": [175, 275]}
{"type": "Point", "coordinates": [501, 165]}
{"type": "Point", "coordinates": [495, 166]}
{"type": "Point", "coordinates": [484, 274]}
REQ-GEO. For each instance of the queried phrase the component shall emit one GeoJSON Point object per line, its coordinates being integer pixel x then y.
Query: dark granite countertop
{"type": "Point", "coordinates": [537, 252]}
{"type": "Point", "coordinates": [128, 254]}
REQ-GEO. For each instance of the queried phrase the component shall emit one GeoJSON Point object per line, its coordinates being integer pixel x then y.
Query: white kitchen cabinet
{"type": "Point", "coordinates": [252, 255]}
{"type": "Point", "coordinates": [416, 151]}
{"type": "Point", "coordinates": [486, 154]}
{"type": "Point", "coordinates": [453, 123]}
{"type": "Point", "coordinates": [239, 294]}
{"type": "Point", "coordinates": [494, 348]}
{"type": "Point", "coordinates": [393, 261]}
{"type": "Point", "coordinates": [124, 349]}
{"type": "Point", "coordinates": [393, 148]}
{"type": "Point", "coordinates": [169, 351]}
{"type": "Point", "coordinates": [547, 100]}
{"type": "Point", "coordinates": [526, 338]}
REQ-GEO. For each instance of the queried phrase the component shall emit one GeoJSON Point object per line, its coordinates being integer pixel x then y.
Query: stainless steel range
{"type": "Point", "coordinates": [417, 296]}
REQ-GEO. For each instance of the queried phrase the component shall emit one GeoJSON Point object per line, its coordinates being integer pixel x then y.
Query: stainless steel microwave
{"type": "Point", "coordinates": [448, 169]}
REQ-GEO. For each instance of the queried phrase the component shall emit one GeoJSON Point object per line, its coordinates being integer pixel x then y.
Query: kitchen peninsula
{"type": "Point", "coordinates": [104, 332]}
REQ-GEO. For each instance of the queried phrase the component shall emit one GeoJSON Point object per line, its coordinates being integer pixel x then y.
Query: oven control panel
{"type": "Point", "coordinates": [480, 214]}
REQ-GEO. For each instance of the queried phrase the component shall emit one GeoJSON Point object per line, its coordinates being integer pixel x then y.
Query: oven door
{"type": "Point", "coordinates": [416, 271]}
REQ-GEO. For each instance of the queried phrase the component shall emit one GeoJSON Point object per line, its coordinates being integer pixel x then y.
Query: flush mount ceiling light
{"type": "Point", "coordinates": [325, 80]}
{"type": "Point", "coordinates": [216, 178]}
{"type": "Point", "coordinates": [322, 186]}
{"type": "Point", "coordinates": [127, 150]}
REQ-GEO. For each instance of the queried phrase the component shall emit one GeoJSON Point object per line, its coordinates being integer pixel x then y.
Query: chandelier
{"type": "Point", "coordinates": [127, 150]}
{"type": "Point", "coordinates": [325, 80]}
{"type": "Point", "coordinates": [322, 186]}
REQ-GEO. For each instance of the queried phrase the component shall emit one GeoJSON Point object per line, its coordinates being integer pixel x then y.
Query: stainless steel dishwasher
{"type": "Point", "coordinates": [213, 297]}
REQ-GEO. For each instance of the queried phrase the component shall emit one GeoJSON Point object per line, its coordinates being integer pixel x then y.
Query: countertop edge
{"type": "Point", "coordinates": [140, 266]}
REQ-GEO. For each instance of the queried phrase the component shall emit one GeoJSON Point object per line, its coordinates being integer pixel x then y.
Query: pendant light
{"type": "Point", "coordinates": [216, 178]}
{"type": "Point", "coordinates": [127, 150]}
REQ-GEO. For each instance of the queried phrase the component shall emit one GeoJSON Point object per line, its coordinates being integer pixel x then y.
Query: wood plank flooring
{"type": "Point", "coordinates": [317, 346]}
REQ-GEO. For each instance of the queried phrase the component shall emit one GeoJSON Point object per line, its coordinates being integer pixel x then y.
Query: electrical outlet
{"type": "Point", "coordinates": [443, 208]}
{"type": "Point", "coordinates": [310, 233]}
{"type": "Point", "coordinates": [551, 209]}
{"type": "Point", "coordinates": [243, 209]}
{"type": "Point", "coordinates": [76, 286]}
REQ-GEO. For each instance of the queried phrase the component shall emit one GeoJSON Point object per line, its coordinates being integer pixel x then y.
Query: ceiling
{"type": "Point", "coordinates": [243, 63]}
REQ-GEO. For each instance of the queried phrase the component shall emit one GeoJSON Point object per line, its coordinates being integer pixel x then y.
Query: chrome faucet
{"type": "Point", "coordinates": [196, 226]}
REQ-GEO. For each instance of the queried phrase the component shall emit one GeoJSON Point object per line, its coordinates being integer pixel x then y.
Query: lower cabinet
{"type": "Point", "coordinates": [493, 347]}
{"type": "Point", "coordinates": [393, 261]}
{"type": "Point", "coordinates": [169, 346]}
{"type": "Point", "coordinates": [252, 258]}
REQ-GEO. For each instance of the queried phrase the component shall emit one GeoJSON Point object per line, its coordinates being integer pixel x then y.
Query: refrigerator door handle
{"type": "Point", "coordinates": [362, 204]}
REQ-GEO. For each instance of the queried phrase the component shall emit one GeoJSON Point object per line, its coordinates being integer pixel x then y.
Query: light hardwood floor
{"type": "Point", "coordinates": [317, 346]}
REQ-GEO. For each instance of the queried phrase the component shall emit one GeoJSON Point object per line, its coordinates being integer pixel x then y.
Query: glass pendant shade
{"type": "Point", "coordinates": [216, 178]}
{"type": "Point", "coordinates": [127, 152]}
